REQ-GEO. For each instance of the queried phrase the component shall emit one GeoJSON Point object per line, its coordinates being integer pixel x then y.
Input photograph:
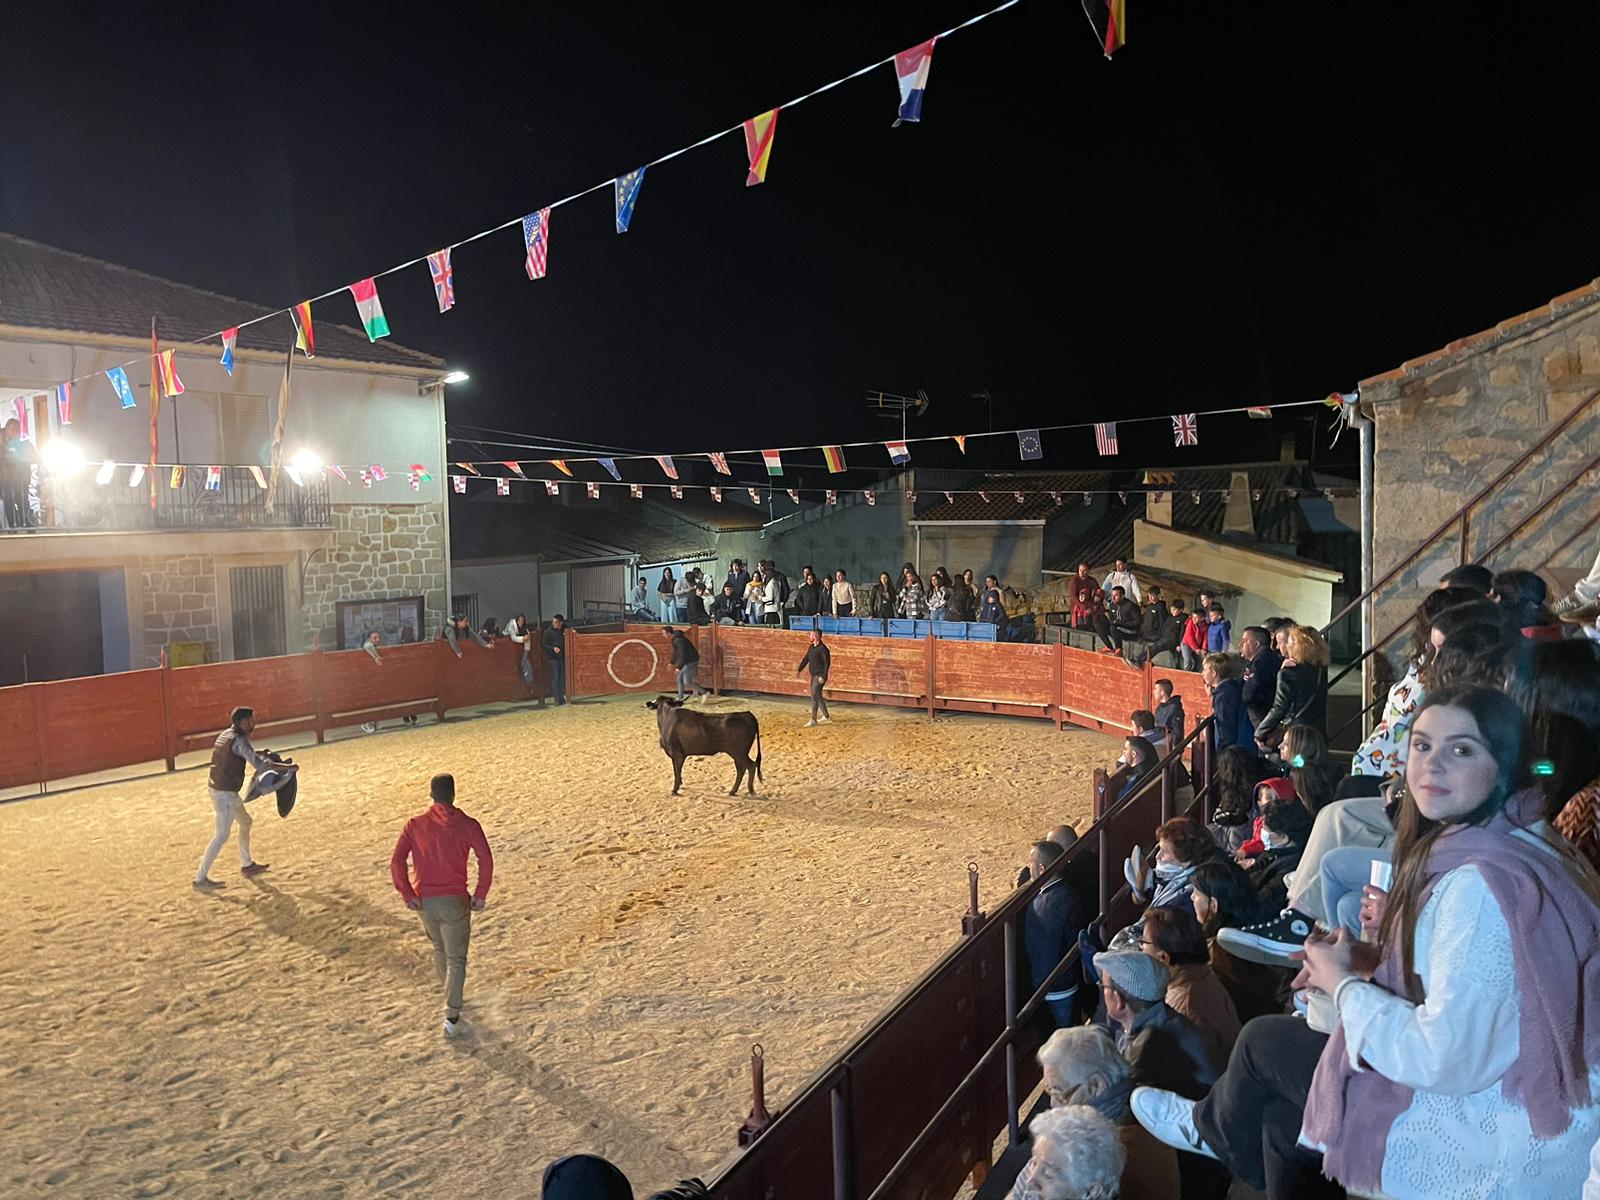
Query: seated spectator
{"type": "Point", "coordinates": [1522, 595]}
{"type": "Point", "coordinates": [1081, 1066]}
{"type": "Point", "coordinates": [695, 612]}
{"type": "Point", "coordinates": [1270, 789]}
{"type": "Point", "coordinates": [1285, 829]}
{"type": "Point", "coordinates": [1560, 696]}
{"type": "Point", "coordinates": [1169, 714]}
{"type": "Point", "coordinates": [1173, 937]}
{"type": "Point", "coordinates": [1050, 927]}
{"type": "Point", "coordinates": [1315, 778]}
{"type": "Point", "coordinates": [1088, 599]}
{"type": "Point", "coordinates": [1240, 770]}
{"type": "Point", "coordinates": [1164, 1049]}
{"type": "Point", "coordinates": [1225, 899]}
{"type": "Point", "coordinates": [1138, 760]}
{"type": "Point", "coordinates": [1471, 578]}
{"type": "Point", "coordinates": [1455, 1058]}
{"type": "Point", "coordinates": [1076, 1155]}
{"type": "Point", "coordinates": [1144, 725]}
{"type": "Point", "coordinates": [728, 608]}
{"type": "Point", "coordinates": [1154, 618]}
{"type": "Point", "coordinates": [1193, 644]}
{"type": "Point", "coordinates": [1383, 752]}
{"type": "Point", "coordinates": [1302, 690]}
{"type": "Point", "coordinates": [1219, 630]}
{"type": "Point", "coordinates": [1223, 675]}
{"type": "Point", "coordinates": [1122, 622]}
{"type": "Point", "coordinates": [1182, 845]}
{"type": "Point", "coordinates": [584, 1177]}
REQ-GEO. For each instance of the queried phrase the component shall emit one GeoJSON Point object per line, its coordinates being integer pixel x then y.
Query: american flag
{"type": "Point", "coordinates": [444, 279]}
{"type": "Point", "coordinates": [536, 236]}
{"type": "Point", "coordinates": [1105, 438]}
{"type": "Point", "coordinates": [1185, 430]}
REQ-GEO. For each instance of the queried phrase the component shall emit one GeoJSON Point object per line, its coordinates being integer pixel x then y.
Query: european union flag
{"type": "Point", "coordinates": [1029, 445]}
{"type": "Point", "coordinates": [120, 385]}
{"type": "Point", "coordinates": [610, 464]}
{"type": "Point", "coordinates": [627, 188]}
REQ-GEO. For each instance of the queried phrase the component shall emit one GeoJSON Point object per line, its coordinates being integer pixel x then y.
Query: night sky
{"type": "Point", "coordinates": [1251, 204]}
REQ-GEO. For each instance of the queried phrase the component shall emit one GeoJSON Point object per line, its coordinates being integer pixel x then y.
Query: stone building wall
{"type": "Point", "coordinates": [179, 601]}
{"type": "Point", "coordinates": [1449, 423]}
{"type": "Point", "coordinates": [379, 551]}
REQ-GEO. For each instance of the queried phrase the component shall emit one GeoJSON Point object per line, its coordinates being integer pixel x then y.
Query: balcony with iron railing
{"type": "Point", "coordinates": [81, 505]}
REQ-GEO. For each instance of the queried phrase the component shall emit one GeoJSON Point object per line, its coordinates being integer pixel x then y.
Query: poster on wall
{"type": "Point", "coordinates": [398, 620]}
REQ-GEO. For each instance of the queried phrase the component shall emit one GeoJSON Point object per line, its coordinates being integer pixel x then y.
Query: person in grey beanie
{"type": "Point", "coordinates": [1158, 1042]}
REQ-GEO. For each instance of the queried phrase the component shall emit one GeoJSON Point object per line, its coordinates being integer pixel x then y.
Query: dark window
{"type": "Point", "coordinates": [258, 629]}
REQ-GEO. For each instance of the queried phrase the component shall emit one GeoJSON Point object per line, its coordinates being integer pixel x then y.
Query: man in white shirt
{"type": "Point", "coordinates": [1123, 578]}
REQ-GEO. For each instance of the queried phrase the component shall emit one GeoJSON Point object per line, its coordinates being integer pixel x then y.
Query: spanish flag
{"type": "Point", "coordinates": [305, 337]}
{"type": "Point", "coordinates": [560, 465]}
{"type": "Point", "coordinates": [835, 457]}
{"type": "Point", "coordinates": [758, 135]}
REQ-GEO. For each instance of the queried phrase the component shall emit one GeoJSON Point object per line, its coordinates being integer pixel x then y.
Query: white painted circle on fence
{"type": "Point", "coordinates": [655, 663]}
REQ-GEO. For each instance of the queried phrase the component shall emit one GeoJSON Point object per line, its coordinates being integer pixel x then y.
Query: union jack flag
{"type": "Point", "coordinates": [1185, 430]}
{"type": "Point", "coordinates": [536, 236]}
{"type": "Point", "coordinates": [444, 279]}
{"type": "Point", "coordinates": [1105, 438]}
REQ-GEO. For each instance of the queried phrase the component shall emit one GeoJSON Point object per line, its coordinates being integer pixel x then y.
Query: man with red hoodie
{"type": "Point", "coordinates": [437, 843]}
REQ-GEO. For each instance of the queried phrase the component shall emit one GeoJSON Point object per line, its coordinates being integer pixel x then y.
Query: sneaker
{"type": "Point", "coordinates": [208, 884]}
{"type": "Point", "coordinates": [1579, 614]}
{"type": "Point", "coordinates": [1270, 942]}
{"type": "Point", "coordinates": [369, 727]}
{"type": "Point", "coordinates": [824, 720]}
{"type": "Point", "coordinates": [1566, 604]}
{"type": "Point", "coordinates": [411, 720]}
{"type": "Point", "coordinates": [451, 1028]}
{"type": "Point", "coordinates": [1169, 1118]}
{"type": "Point", "coordinates": [253, 869]}
{"type": "Point", "coordinates": [810, 724]}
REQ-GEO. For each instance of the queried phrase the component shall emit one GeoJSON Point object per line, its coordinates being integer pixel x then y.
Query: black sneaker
{"type": "Point", "coordinates": [1270, 942]}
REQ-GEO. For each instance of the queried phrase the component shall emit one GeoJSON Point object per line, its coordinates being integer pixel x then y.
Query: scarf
{"type": "Point", "coordinates": [1548, 901]}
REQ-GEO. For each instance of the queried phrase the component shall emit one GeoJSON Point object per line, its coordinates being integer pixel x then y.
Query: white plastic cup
{"type": "Point", "coordinates": [1382, 874]}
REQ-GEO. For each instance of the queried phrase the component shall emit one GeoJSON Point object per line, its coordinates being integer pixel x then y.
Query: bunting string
{"type": "Point", "coordinates": [438, 260]}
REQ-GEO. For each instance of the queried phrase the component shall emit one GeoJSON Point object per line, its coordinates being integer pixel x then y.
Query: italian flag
{"type": "Point", "coordinates": [370, 308]}
{"type": "Point", "coordinates": [774, 462]}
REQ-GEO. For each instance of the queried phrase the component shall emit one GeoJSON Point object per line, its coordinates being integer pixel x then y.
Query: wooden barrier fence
{"type": "Point", "coordinates": [1057, 682]}
{"type": "Point", "coordinates": [61, 730]}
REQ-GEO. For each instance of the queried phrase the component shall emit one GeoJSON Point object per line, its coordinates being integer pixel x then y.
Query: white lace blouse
{"type": "Point", "coordinates": [1461, 1137]}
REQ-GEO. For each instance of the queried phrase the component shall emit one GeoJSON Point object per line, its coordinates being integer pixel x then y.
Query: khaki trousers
{"type": "Point", "coordinates": [448, 922]}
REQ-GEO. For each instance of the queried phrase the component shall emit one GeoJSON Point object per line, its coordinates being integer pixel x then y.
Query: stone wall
{"type": "Point", "coordinates": [179, 601]}
{"type": "Point", "coordinates": [1447, 425]}
{"type": "Point", "coordinates": [379, 551]}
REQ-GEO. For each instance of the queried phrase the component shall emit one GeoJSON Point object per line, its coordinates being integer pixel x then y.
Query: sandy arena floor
{"type": "Point", "coordinates": [281, 1038]}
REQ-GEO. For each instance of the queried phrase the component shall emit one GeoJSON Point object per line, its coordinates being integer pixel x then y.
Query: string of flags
{"type": "Point", "coordinates": [911, 70]}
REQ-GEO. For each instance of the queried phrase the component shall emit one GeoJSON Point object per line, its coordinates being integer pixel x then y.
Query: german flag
{"type": "Point", "coordinates": [835, 457]}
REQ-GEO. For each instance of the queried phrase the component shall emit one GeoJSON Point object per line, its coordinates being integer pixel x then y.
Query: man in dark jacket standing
{"type": "Point", "coordinates": [1261, 676]}
{"type": "Point", "coordinates": [554, 641]}
{"type": "Point", "coordinates": [808, 596]}
{"type": "Point", "coordinates": [437, 842]}
{"type": "Point", "coordinates": [687, 660]}
{"type": "Point", "coordinates": [739, 578]}
{"type": "Point", "coordinates": [819, 660]}
{"type": "Point", "coordinates": [1049, 930]}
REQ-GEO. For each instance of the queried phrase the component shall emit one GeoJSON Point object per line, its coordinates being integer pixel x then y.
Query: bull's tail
{"type": "Point", "coordinates": [758, 750]}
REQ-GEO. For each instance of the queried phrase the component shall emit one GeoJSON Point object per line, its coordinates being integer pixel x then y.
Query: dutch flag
{"type": "Point", "coordinates": [911, 68]}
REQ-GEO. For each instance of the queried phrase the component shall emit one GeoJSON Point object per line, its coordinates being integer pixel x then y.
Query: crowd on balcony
{"type": "Point", "coordinates": [1371, 976]}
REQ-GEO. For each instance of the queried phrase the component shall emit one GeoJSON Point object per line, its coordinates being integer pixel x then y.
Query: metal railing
{"type": "Point", "coordinates": [81, 505]}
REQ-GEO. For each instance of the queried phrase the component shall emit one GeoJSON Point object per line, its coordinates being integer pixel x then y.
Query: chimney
{"type": "Point", "coordinates": [1287, 452]}
{"type": "Point", "coordinates": [1239, 516]}
{"type": "Point", "coordinates": [1158, 505]}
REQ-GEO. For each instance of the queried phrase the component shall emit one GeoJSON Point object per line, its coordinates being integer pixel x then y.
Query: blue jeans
{"type": "Point", "coordinates": [686, 679]}
{"type": "Point", "coordinates": [669, 610]}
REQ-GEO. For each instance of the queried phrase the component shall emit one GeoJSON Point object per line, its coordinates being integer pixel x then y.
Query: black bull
{"type": "Point", "coordinates": [686, 733]}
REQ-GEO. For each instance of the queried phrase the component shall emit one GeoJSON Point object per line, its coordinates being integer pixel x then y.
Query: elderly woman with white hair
{"type": "Point", "coordinates": [1076, 1156]}
{"type": "Point", "coordinates": [1082, 1067]}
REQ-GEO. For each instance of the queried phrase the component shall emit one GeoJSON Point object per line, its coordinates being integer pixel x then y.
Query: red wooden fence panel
{"type": "Point", "coordinates": [353, 685]}
{"type": "Point", "coordinates": [1099, 690]}
{"type": "Point", "coordinates": [19, 737]}
{"type": "Point", "coordinates": [279, 689]}
{"type": "Point", "coordinates": [102, 721]}
{"type": "Point", "coordinates": [480, 676]}
{"type": "Point", "coordinates": [638, 659]}
{"type": "Point", "coordinates": [1001, 678]}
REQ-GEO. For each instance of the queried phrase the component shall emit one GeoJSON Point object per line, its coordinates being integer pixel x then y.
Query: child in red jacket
{"type": "Point", "coordinates": [1193, 648]}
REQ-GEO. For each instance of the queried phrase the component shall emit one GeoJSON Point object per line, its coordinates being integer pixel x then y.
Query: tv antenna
{"type": "Point", "coordinates": [889, 406]}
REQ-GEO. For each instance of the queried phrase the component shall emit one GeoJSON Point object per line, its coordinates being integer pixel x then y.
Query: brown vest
{"type": "Point", "coordinates": [227, 768]}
